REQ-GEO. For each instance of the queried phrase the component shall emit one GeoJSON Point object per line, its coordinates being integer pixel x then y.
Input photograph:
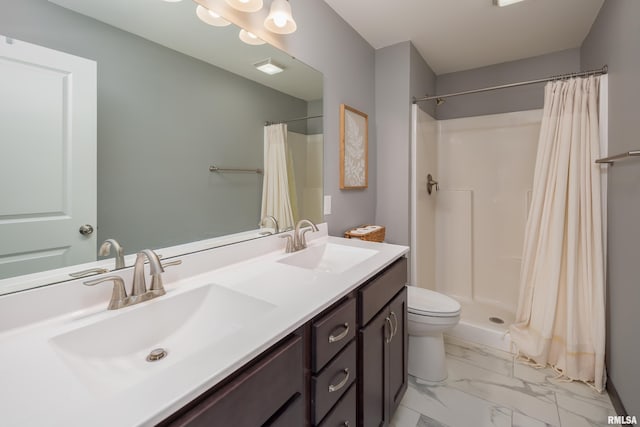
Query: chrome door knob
{"type": "Point", "coordinates": [86, 229]}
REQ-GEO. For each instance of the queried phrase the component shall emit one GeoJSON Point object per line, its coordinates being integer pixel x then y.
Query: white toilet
{"type": "Point", "coordinates": [429, 315]}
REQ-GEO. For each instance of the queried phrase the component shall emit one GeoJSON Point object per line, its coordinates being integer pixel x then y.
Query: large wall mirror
{"type": "Point", "coordinates": [174, 97]}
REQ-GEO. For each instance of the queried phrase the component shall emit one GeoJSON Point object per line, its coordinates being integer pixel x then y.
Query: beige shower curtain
{"type": "Point", "coordinates": [276, 192]}
{"type": "Point", "coordinates": [560, 320]}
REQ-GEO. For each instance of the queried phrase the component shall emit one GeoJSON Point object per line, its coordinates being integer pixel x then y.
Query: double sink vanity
{"type": "Point", "coordinates": [246, 335]}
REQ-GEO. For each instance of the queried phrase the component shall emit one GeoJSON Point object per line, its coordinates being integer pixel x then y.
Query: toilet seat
{"type": "Point", "coordinates": [425, 302]}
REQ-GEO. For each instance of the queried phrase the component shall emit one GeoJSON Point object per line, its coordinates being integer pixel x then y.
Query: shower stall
{"type": "Point", "coordinates": [468, 232]}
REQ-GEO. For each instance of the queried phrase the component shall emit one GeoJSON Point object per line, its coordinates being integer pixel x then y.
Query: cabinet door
{"type": "Point", "coordinates": [373, 381]}
{"type": "Point", "coordinates": [398, 350]}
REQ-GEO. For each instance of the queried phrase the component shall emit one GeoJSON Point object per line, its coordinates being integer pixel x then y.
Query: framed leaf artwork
{"type": "Point", "coordinates": [354, 148]}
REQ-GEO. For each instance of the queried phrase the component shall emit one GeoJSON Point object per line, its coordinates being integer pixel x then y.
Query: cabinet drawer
{"type": "Point", "coordinates": [332, 332]}
{"type": "Point", "coordinates": [256, 395]}
{"type": "Point", "coordinates": [344, 413]}
{"type": "Point", "coordinates": [332, 382]}
{"type": "Point", "coordinates": [375, 295]}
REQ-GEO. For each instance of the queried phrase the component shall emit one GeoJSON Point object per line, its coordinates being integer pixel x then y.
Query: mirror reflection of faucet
{"type": "Point", "coordinates": [105, 249]}
{"type": "Point", "coordinates": [263, 223]}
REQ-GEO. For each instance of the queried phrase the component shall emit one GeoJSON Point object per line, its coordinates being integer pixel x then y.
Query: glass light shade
{"type": "Point", "coordinates": [250, 38]}
{"type": "Point", "coordinates": [245, 5]}
{"type": "Point", "coordinates": [209, 17]}
{"type": "Point", "coordinates": [280, 20]}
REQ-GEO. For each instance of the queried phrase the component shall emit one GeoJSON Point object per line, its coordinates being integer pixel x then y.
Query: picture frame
{"type": "Point", "coordinates": [354, 148]}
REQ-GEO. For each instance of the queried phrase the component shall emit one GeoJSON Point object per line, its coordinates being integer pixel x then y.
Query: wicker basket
{"type": "Point", "coordinates": [375, 235]}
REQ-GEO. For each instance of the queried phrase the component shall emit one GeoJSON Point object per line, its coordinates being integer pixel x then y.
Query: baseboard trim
{"type": "Point", "coordinates": [615, 398]}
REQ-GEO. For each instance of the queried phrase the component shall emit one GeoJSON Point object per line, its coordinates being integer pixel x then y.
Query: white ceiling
{"type": "Point", "coordinates": [456, 35]}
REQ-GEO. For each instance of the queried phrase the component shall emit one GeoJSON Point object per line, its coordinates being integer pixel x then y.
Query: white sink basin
{"type": "Point", "coordinates": [111, 353]}
{"type": "Point", "coordinates": [329, 257]}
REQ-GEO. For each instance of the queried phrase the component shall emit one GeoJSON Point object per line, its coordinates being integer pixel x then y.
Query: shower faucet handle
{"type": "Point", "coordinates": [432, 183]}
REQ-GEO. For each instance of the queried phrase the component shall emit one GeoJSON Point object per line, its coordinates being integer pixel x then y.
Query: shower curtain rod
{"type": "Point", "coordinates": [596, 72]}
{"type": "Point", "coordinates": [292, 120]}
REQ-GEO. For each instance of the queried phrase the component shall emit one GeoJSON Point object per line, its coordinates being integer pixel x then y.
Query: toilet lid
{"type": "Point", "coordinates": [431, 303]}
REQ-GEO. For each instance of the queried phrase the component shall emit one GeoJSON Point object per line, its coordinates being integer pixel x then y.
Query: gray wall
{"type": "Point", "coordinates": [400, 74]}
{"type": "Point", "coordinates": [614, 40]}
{"type": "Point", "coordinates": [392, 127]}
{"type": "Point", "coordinates": [327, 43]}
{"type": "Point", "coordinates": [163, 117]}
{"type": "Point", "coordinates": [422, 81]}
{"type": "Point", "coordinates": [506, 100]}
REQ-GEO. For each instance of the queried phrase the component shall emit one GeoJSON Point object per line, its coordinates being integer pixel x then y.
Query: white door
{"type": "Point", "coordinates": [47, 158]}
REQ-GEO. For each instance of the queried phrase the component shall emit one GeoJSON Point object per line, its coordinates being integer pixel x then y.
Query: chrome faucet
{"type": "Point", "coordinates": [139, 292]}
{"type": "Point", "coordinates": [289, 246]}
{"type": "Point", "coordinates": [139, 285]}
{"type": "Point", "coordinates": [119, 297]}
{"type": "Point", "coordinates": [299, 240]}
{"type": "Point", "coordinates": [105, 248]}
{"type": "Point", "coordinates": [273, 219]}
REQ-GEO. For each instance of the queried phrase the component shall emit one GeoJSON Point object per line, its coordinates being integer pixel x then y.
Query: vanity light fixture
{"type": "Point", "coordinates": [210, 17]}
{"type": "Point", "coordinates": [250, 38]}
{"type": "Point", "coordinates": [267, 66]}
{"type": "Point", "coordinates": [245, 5]}
{"type": "Point", "coordinates": [280, 20]}
{"type": "Point", "coordinates": [502, 3]}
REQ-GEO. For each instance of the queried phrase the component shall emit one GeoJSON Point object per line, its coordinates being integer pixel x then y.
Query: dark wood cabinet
{"type": "Point", "coordinates": [373, 410]}
{"type": "Point", "coordinates": [331, 383]}
{"type": "Point", "coordinates": [268, 393]}
{"type": "Point", "coordinates": [398, 351]}
{"type": "Point", "coordinates": [333, 363]}
{"type": "Point", "coordinates": [331, 332]}
{"type": "Point", "coordinates": [382, 348]}
{"type": "Point", "coordinates": [344, 413]}
{"type": "Point", "coordinates": [345, 367]}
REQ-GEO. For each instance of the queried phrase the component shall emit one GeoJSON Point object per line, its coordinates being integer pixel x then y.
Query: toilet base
{"type": "Point", "coordinates": [427, 358]}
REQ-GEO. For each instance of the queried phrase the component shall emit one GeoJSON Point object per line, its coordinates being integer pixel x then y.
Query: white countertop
{"type": "Point", "coordinates": [39, 386]}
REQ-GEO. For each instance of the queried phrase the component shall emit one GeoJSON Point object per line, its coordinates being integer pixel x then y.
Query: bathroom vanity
{"type": "Point", "coordinates": [253, 337]}
{"type": "Point", "coordinates": [325, 366]}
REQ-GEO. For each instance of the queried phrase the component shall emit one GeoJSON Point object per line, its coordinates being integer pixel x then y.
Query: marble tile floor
{"type": "Point", "coordinates": [487, 387]}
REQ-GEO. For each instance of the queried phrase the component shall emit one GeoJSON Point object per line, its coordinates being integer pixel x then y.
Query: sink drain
{"type": "Point", "coordinates": [156, 354]}
{"type": "Point", "coordinates": [496, 320]}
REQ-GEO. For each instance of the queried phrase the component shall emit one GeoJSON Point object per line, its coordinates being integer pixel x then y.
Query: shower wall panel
{"type": "Point", "coordinates": [454, 243]}
{"type": "Point", "coordinates": [490, 158]}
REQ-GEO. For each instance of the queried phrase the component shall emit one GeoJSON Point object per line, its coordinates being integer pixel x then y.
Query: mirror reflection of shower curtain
{"type": "Point", "coordinates": [278, 187]}
{"type": "Point", "coordinates": [560, 320]}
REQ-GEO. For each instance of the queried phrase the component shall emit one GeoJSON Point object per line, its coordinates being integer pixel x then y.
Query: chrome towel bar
{"type": "Point", "coordinates": [612, 159]}
{"type": "Point", "coordinates": [214, 168]}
